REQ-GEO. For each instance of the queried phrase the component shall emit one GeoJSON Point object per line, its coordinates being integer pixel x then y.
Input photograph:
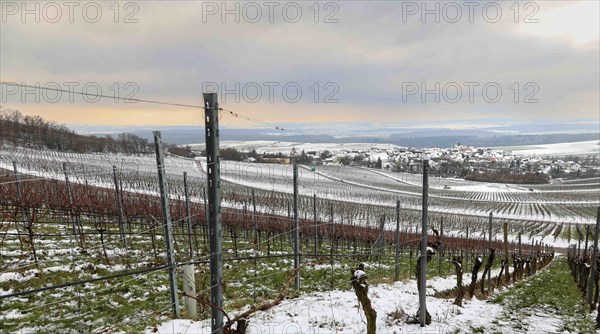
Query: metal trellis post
{"type": "Point", "coordinates": [296, 229]}
{"type": "Point", "coordinates": [592, 281]}
{"type": "Point", "coordinates": [422, 296]}
{"type": "Point", "coordinates": [120, 207]}
{"type": "Point", "coordinates": [188, 214]}
{"type": "Point", "coordinates": [213, 172]}
{"type": "Point", "coordinates": [489, 278]}
{"type": "Point", "coordinates": [397, 275]}
{"type": "Point", "coordinates": [164, 196]}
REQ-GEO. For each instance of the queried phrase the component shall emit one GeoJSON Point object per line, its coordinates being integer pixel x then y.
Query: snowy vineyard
{"type": "Point", "coordinates": [82, 243]}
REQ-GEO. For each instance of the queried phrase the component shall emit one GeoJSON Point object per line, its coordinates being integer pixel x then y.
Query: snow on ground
{"type": "Point", "coordinates": [12, 314]}
{"type": "Point", "coordinates": [12, 276]}
{"type": "Point", "coordinates": [491, 188]}
{"type": "Point", "coordinates": [337, 311]}
{"type": "Point", "coordinates": [582, 147]}
{"type": "Point", "coordinates": [469, 186]}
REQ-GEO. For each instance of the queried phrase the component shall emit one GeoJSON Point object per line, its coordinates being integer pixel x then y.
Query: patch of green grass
{"type": "Point", "coordinates": [498, 299]}
{"type": "Point", "coordinates": [477, 329]}
{"type": "Point", "coordinates": [566, 232]}
{"type": "Point", "coordinates": [132, 303]}
{"type": "Point", "coordinates": [552, 292]}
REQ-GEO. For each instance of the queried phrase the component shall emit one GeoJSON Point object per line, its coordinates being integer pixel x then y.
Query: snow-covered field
{"type": "Point", "coordinates": [536, 214]}
{"type": "Point", "coordinates": [561, 203]}
{"type": "Point", "coordinates": [575, 148]}
{"type": "Point", "coordinates": [266, 146]}
{"type": "Point", "coordinates": [338, 311]}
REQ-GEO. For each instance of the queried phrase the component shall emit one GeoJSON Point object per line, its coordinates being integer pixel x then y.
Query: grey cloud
{"type": "Point", "coordinates": [370, 53]}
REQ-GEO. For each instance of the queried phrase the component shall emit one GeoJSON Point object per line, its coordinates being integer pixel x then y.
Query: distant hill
{"type": "Point", "coordinates": [35, 132]}
{"type": "Point", "coordinates": [433, 134]}
{"type": "Point", "coordinates": [184, 135]}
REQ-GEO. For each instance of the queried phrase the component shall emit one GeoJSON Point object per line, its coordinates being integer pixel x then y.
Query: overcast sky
{"type": "Point", "coordinates": [353, 61]}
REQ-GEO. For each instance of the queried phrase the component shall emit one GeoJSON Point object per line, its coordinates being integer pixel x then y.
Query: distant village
{"type": "Point", "coordinates": [461, 161]}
